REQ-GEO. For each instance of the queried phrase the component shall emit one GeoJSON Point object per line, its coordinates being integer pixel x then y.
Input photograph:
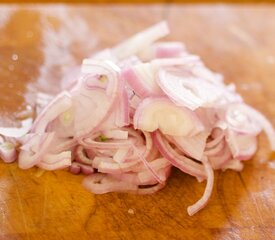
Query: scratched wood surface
{"type": "Point", "coordinates": [36, 41]}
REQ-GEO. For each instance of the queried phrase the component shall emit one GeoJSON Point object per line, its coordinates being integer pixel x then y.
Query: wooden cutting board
{"type": "Point", "coordinates": [38, 44]}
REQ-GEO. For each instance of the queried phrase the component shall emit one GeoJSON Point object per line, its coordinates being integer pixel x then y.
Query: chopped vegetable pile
{"type": "Point", "coordinates": [131, 113]}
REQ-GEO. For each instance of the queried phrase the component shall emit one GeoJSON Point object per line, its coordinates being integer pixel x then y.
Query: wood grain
{"type": "Point", "coordinates": [238, 41]}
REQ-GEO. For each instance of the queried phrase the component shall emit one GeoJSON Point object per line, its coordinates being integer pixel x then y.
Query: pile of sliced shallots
{"type": "Point", "coordinates": [132, 112]}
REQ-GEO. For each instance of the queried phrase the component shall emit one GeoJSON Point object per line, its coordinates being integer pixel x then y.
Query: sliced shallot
{"type": "Point", "coordinates": [131, 112]}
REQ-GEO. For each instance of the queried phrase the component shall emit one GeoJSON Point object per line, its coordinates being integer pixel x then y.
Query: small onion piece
{"type": "Point", "coordinates": [142, 77]}
{"type": "Point", "coordinates": [90, 143]}
{"type": "Point", "coordinates": [255, 117]}
{"type": "Point", "coordinates": [96, 100]}
{"type": "Point", "coordinates": [182, 90]}
{"type": "Point", "coordinates": [240, 122]}
{"type": "Point", "coordinates": [192, 146]}
{"type": "Point", "coordinates": [180, 161]}
{"type": "Point", "coordinates": [141, 40]}
{"type": "Point", "coordinates": [55, 161]}
{"type": "Point", "coordinates": [221, 158]}
{"type": "Point", "coordinates": [162, 114]}
{"type": "Point", "coordinates": [144, 177]}
{"type": "Point", "coordinates": [33, 150]}
{"type": "Point", "coordinates": [98, 91]}
{"type": "Point", "coordinates": [58, 105]}
{"type": "Point", "coordinates": [17, 132]}
{"type": "Point", "coordinates": [123, 113]}
{"type": "Point", "coordinates": [116, 134]}
{"type": "Point", "coordinates": [142, 80]}
{"type": "Point", "coordinates": [233, 164]}
{"type": "Point", "coordinates": [216, 149]}
{"type": "Point", "coordinates": [81, 157]}
{"type": "Point", "coordinates": [242, 146]}
{"type": "Point", "coordinates": [207, 192]}
{"type": "Point", "coordinates": [8, 152]}
{"type": "Point", "coordinates": [110, 166]}
{"type": "Point", "coordinates": [101, 183]}
{"type": "Point", "coordinates": [162, 50]}
{"type": "Point", "coordinates": [217, 136]}
{"type": "Point", "coordinates": [121, 155]}
{"type": "Point", "coordinates": [77, 167]}
{"type": "Point", "coordinates": [192, 92]}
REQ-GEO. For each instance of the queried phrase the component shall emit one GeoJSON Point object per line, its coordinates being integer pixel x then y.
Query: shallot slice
{"type": "Point", "coordinates": [81, 157]}
{"type": "Point", "coordinates": [221, 158]}
{"type": "Point", "coordinates": [189, 91]}
{"type": "Point", "coordinates": [58, 105]}
{"type": "Point", "coordinates": [240, 122]}
{"type": "Point", "coordinates": [140, 41]}
{"type": "Point", "coordinates": [132, 112]}
{"type": "Point", "coordinates": [8, 152]}
{"type": "Point", "coordinates": [233, 164]}
{"type": "Point", "coordinates": [102, 183]}
{"type": "Point", "coordinates": [141, 78]}
{"type": "Point", "coordinates": [162, 114]}
{"type": "Point", "coordinates": [242, 146]}
{"type": "Point", "coordinates": [192, 146]}
{"type": "Point", "coordinates": [34, 149]}
{"type": "Point", "coordinates": [77, 167]}
{"type": "Point", "coordinates": [256, 117]}
{"type": "Point", "coordinates": [207, 192]}
{"type": "Point", "coordinates": [162, 50]}
{"type": "Point", "coordinates": [180, 161]}
{"type": "Point", "coordinates": [55, 161]}
{"type": "Point", "coordinates": [17, 132]}
{"type": "Point", "coordinates": [93, 99]}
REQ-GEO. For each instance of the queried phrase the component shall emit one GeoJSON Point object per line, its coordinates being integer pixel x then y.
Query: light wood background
{"type": "Point", "coordinates": [238, 41]}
